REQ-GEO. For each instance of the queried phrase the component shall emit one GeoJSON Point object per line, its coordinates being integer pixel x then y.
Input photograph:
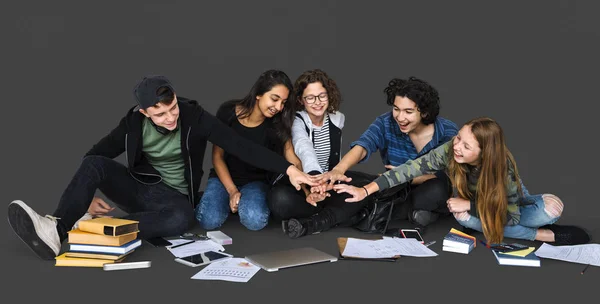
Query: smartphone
{"type": "Point", "coordinates": [203, 258]}
{"type": "Point", "coordinates": [158, 242]}
{"type": "Point", "coordinates": [412, 234]}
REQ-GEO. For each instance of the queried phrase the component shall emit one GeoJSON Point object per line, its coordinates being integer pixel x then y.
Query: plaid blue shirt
{"type": "Point", "coordinates": [395, 147]}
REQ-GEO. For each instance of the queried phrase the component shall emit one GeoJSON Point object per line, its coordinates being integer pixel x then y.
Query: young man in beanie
{"type": "Point", "coordinates": [164, 139]}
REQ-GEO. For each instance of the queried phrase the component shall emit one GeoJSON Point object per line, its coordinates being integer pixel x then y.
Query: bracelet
{"type": "Point", "coordinates": [367, 191]}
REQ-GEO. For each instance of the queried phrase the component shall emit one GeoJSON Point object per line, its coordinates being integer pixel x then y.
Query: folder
{"type": "Point", "coordinates": [108, 226]}
{"type": "Point", "coordinates": [341, 241]}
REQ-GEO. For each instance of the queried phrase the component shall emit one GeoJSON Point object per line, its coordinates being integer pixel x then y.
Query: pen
{"type": "Point", "coordinates": [584, 269]}
{"type": "Point", "coordinates": [182, 244]}
{"type": "Point", "coordinates": [430, 243]}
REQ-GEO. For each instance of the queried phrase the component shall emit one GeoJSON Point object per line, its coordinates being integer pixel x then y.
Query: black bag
{"type": "Point", "coordinates": [380, 208]}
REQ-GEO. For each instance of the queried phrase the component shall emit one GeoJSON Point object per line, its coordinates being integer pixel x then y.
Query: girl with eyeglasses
{"type": "Point", "coordinates": [317, 141]}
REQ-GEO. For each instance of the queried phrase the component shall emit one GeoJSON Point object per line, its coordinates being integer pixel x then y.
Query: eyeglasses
{"type": "Point", "coordinates": [310, 99]}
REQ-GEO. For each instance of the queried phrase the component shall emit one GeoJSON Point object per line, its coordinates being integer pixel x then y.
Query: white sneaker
{"type": "Point", "coordinates": [86, 216]}
{"type": "Point", "coordinates": [38, 232]}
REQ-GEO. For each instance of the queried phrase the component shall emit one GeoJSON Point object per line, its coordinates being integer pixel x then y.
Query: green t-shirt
{"type": "Point", "coordinates": [164, 154]}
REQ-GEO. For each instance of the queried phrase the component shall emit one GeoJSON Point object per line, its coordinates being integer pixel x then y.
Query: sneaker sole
{"type": "Point", "coordinates": [294, 229]}
{"type": "Point", "coordinates": [22, 224]}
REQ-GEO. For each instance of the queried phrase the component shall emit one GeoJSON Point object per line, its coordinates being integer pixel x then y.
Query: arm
{"type": "Point", "coordinates": [113, 144]}
{"type": "Point", "coordinates": [218, 156]}
{"type": "Point", "coordinates": [370, 141]}
{"type": "Point", "coordinates": [303, 147]}
{"type": "Point", "coordinates": [222, 171]}
{"type": "Point", "coordinates": [434, 160]}
{"type": "Point", "coordinates": [221, 135]}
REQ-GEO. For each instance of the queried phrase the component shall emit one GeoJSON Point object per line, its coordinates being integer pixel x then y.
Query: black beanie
{"type": "Point", "coordinates": [146, 91]}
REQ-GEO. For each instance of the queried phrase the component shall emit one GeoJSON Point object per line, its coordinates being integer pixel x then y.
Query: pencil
{"type": "Point", "coordinates": [584, 269]}
{"type": "Point", "coordinates": [182, 244]}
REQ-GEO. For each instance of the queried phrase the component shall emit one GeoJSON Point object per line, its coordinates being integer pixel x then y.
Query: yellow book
{"type": "Point", "coordinates": [76, 236]}
{"type": "Point", "coordinates": [63, 260]}
{"type": "Point", "coordinates": [109, 226]}
{"type": "Point", "coordinates": [520, 253]}
{"type": "Point", "coordinates": [92, 255]}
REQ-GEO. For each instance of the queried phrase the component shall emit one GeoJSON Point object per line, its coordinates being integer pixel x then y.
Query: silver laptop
{"type": "Point", "coordinates": [273, 261]}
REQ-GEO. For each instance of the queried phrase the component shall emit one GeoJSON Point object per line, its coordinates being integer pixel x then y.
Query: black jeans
{"type": "Point", "coordinates": [430, 195]}
{"type": "Point", "coordinates": [286, 202]}
{"type": "Point", "coordinates": [160, 209]}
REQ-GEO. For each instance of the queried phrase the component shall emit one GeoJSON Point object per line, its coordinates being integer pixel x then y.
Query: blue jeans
{"type": "Point", "coordinates": [214, 205]}
{"type": "Point", "coordinates": [532, 217]}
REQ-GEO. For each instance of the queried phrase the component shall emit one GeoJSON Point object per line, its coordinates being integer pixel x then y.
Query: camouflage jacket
{"type": "Point", "coordinates": [436, 160]}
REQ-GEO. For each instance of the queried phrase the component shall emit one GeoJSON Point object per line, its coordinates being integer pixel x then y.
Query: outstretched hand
{"type": "Point", "coordinates": [328, 179]}
{"type": "Point", "coordinates": [298, 177]}
{"type": "Point", "coordinates": [358, 194]}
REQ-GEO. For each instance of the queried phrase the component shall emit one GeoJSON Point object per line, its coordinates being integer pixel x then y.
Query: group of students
{"type": "Point", "coordinates": [277, 153]}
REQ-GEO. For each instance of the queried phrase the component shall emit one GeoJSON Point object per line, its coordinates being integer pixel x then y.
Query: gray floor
{"type": "Point", "coordinates": [347, 281]}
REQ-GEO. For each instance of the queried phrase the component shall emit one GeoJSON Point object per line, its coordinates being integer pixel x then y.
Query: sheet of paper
{"type": "Point", "coordinates": [193, 248]}
{"type": "Point", "coordinates": [582, 254]}
{"type": "Point", "coordinates": [233, 270]}
{"type": "Point", "coordinates": [386, 248]}
{"type": "Point", "coordinates": [411, 247]}
{"type": "Point", "coordinates": [371, 249]}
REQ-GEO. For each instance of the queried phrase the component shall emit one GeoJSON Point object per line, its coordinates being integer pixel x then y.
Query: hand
{"type": "Point", "coordinates": [358, 194]}
{"type": "Point", "coordinates": [234, 201]}
{"type": "Point", "coordinates": [98, 207]}
{"type": "Point", "coordinates": [328, 179]}
{"type": "Point", "coordinates": [314, 198]}
{"type": "Point", "coordinates": [456, 204]}
{"type": "Point", "coordinates": [298, 177]}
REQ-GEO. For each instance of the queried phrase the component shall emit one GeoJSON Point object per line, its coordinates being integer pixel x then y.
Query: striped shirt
{"type": "Point", "coordinates": [321, 143]}
{"type": "Point", "coordinates": [395, 147]}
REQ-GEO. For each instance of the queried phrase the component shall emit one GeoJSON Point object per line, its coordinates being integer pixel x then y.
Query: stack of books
{"type": "Point", "coordinates": [517, 255]}
{"type": "Point", "coordinates": [100, 241]}
{"type": "Point", "coordinates": [458, 242]}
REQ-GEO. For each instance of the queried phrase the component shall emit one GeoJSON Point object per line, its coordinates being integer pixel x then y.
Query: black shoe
{"type": "Point", "coordinates": [355, 219]}
{"type": "Point", "coordinates": [314, 224]}
{"type": "Point", "coordinates": [423, 217]}
{"type": "Point", "coordinates": [568, 235]}
{"type": "Point", "coordinates": [296, 228]}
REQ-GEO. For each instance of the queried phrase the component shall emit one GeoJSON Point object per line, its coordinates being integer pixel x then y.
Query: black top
{"type": "Point", "coordinates": [264, 134]}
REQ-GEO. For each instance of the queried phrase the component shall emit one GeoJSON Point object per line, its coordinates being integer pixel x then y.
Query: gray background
{"type": "Point", "coordinates": [68, 70]}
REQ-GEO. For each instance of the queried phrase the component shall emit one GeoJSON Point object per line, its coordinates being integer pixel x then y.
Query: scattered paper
{"type": "Point", "coordinates": [582, 254]}
{"type": "Point", "coordinates": [193, 248]}
{"type": "Point", "coordinates": [412, 247]}
{"type": "Point", "coordinates": [386, 248]}
{"type": "Point", "coordinates": [233, 270]}
{"type": "Point", "coordinates": [370, 249]}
